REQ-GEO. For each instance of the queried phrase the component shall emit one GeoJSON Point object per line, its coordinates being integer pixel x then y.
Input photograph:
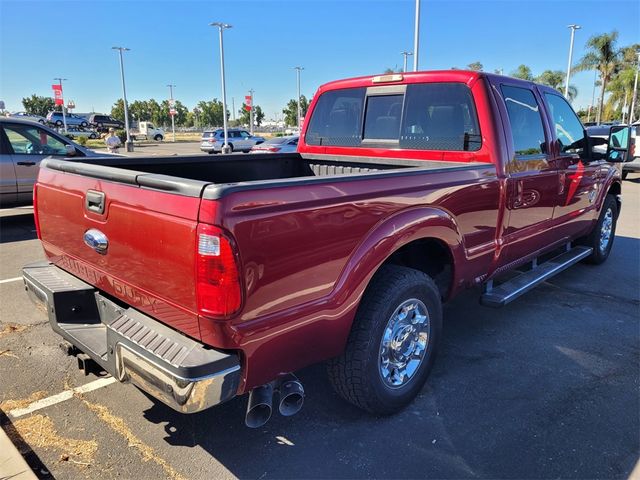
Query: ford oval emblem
{"type": "Point", "coordinates": [97, 240]}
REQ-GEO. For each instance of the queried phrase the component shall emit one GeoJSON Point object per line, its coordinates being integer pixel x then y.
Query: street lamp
{"type": "Point", "coordinates": [172, 115]}
{"type": "Point", "coordinates": [124, 98]}
{"type": "Point", "coordinates": [221, 26]}
{"type": "Point", "coordinates": [566, 83]}
{"type": "Point", "coordinates": [416, 37]}
{"type": "Point", "coordinates": [298, 70]}
{"type": "Point", "coordinates": [635, 91]}
{"type": "Point", "coordinates": [404, 60]}
{"type": "Point", "coordinates": [64, 117]}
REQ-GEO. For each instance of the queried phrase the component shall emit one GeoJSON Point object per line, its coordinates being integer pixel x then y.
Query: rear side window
{"type": "Point", "coordinates": [337, 118]}
{"type": "Point", "coordinates": [526, 123]}
{"type": "Point", "coordinates": [440, 116]}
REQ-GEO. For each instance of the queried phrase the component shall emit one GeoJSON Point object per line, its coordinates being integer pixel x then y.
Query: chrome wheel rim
{"type": "Point", "coordinates": [605, 230]}
{"type": "Point", "coordinates": [404, 343]}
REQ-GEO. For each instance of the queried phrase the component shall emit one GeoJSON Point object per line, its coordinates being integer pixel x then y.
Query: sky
{"type": "Point", "coordinates": [172, 42]}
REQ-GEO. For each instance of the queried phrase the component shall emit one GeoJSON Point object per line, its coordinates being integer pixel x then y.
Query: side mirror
{"type": "Point", "coordinates": [619, 142]}
{"type": "Point", "coordinates": [70, 150]}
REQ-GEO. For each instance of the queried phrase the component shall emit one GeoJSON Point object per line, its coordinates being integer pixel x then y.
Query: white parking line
{"type": "Point", "coordinates": [8, 280]}
{"type": "Point", "coordinates": [61, 397]}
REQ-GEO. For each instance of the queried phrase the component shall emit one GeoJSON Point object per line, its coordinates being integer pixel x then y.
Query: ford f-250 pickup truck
{"type": "Point", "coordinates": [201, 279]}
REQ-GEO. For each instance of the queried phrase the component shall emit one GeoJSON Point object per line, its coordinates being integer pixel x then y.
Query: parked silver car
{"type": "Point", "coordinates": [73, 120]}
{"type": "Point", "coordinates": [239, 140]}
{"type": "Point", "coordinates": [287, 144]}
{"type": "Point", "coordinates": [23, 145]}
{"type": "Point", "coordinates": [29, 116]}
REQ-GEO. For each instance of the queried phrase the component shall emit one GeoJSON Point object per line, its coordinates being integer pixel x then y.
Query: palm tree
{"type": "Point", "coordinates": [555, 79]}
{"type": "Point", "coordinates": [603, 56]}
{"type": "Point", "coordinates": [523, 72]}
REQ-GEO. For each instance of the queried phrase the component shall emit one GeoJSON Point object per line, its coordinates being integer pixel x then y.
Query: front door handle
{"type": "Point", "coordinates": [26, 164]}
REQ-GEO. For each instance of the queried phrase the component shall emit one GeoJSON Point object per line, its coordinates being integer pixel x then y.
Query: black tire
{"type": "Point", "coordinates": [356, 374]}
{"type": "Point", "coordinates": [41, 122]}
{"type": "Point", "coordinates": [593, 240]}
{"type": "Point", "coordinates": [211, 152]}
{"type": "Point", "coordinates": [100, 126]}
{"type": "Point", "coordinates": [58, 123]}
{"type": "Point", "coordinates": [84, 124]}
{"type": "Point", "coordinates": [158, 138]}
{"type": "Point", "coordinates": [625, 173]}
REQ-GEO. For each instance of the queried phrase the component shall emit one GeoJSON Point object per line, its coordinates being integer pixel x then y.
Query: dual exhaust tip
{"type": "Point", "coordinates": [260, 406]}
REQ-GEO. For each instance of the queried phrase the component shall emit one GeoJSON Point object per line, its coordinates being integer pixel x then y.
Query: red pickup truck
{"type": "Point", "coordinates": [199, 279]}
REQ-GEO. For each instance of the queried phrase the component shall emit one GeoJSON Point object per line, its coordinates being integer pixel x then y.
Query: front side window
{"type": "Point", "coordinates": [337, 118]}
{"type": "Point", "coordinates": [27, 140]}
{"type": "Point", "coordinates": [440, 116]}
{"type": "Point", "coordinates": [525, 120]}
{"type": "Point", "coordinates": [569, 130]}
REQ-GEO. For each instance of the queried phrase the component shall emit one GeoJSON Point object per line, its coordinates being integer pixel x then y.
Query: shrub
{"type": "Point", "coordinates": [122, 135]}
{"type": "Point", "coordinates": [82, 140]}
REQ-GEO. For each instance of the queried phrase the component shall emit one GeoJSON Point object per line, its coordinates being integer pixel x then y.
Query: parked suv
{"type": "Point", "coordinates": [239, 140]}
{"type": "Point", "coordinates": [104, 122]}
{"type": "Point", "coordinates": [73, 120]}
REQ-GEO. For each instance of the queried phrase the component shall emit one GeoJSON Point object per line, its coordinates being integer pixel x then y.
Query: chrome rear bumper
{"type": "Point", "coordinates": [132, 346]}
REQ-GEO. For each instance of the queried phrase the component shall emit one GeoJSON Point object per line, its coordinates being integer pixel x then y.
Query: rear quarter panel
{"type": "Point", "coordinates": [308, 252]}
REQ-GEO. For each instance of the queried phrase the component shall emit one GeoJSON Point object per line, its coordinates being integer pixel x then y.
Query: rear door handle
{"type": "Point", "coordinates": [26, 164]}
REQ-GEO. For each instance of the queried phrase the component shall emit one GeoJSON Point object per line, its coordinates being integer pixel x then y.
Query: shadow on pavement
{"type": "Point", "coordinates": [18, 227]}
{"type": "Point", "coordinates": [544, 387]}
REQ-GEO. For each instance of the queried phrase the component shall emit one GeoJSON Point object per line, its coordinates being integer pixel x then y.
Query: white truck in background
{"type": "Point", "coordinates": [146, 131]}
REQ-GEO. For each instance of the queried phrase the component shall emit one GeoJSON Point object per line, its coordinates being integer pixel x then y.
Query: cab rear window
{"type": "Point", "coordinates": [429, 116]}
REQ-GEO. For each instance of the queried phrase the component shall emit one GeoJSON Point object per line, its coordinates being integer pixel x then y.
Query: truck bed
{"type": "Point", "coordinates": [189, 175]}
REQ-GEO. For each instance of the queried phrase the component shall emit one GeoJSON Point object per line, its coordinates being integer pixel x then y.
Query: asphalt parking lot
{"type": "Point", "coordinates": [546, 387]}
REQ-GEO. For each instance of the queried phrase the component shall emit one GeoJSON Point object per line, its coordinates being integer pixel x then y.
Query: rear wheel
{"type": "Point", "coordinates": [158, 138]}
{"type": "Point", "coordinates": [601, 237]}
{"type": "Point", "coordinates": [58, 123]}
{"type": "Point", "coordinates": [392, 344]}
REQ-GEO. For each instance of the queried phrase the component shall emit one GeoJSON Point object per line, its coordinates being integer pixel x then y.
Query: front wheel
{"type": "Point", "coordinates": [601, 237]}
{"type": "Point", "coordinates": [158, 138]}
{"type": "Point", "coordinates": [393, 342]}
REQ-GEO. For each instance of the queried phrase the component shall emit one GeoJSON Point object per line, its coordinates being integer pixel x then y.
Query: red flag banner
{"type": "Point", "coordinates": [57, 93]}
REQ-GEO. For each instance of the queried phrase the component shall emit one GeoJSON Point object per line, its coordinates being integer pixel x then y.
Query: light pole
{"type": "Point", "coordinates": [635, 91]}
{"type": "Point", "coordinates": [221, 26]}
{"type": "Point", "coordinates": [404, 60]}
{"type": "Point", "coordinates": [416, 37]}
{"type": "Point", "coordinates": [173, 122]}
{"type": "Point", "coordinates": [593, 94]}
{"type": "Point", "coordinates": [298, 69]}
{"type": "Point", "coordinates": [124, 98]}
{"type": "Point", "coordinates": [566, 82]}
{"type": "Point", "coordinates": [64, 116]}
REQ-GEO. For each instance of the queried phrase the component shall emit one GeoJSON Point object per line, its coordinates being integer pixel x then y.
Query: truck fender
{"type": "Point", "coordinates": [387, 237]}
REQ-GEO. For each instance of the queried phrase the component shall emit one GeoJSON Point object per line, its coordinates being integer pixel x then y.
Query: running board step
{"type": "Point", "coordinates": [508, 291]}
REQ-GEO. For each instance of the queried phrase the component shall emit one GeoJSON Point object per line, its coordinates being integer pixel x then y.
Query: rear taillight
{"type": "Point", "coordinates": [217, 273]}
{"type": "Point", "coordinates": [273, 149]}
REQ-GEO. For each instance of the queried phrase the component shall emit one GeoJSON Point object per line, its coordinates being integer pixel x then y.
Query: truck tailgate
{"type": "Point", "coordinates": [149, 262]}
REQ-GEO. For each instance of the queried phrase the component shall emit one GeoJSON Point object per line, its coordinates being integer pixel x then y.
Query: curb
{"type": "Point", "coordinates": [12, 465]}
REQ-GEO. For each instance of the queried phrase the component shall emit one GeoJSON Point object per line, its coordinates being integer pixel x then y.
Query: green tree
{"type": "Point", "coordinates": [603, 56]}
{"type": "Point", "coordinates": [210, 113]}
{"type": "Point", "coordinates": [555, 79]}
{"type": "Point", "coordinates": [475, 66]}
{"type": "Point", "coordinates": [117, 110]}
{"type": "Point", "coordinates": [621, 89]}
{"type": "Point", "coordinates": [244, 115]}
{"type": "Point", "coordinates": [36, 105]}
{"type": "Point", "coordinates": [165, 118]}
{"type": "Point", "coordinates": [291, 110]}
{"type": "Point", "coordinates": [523, 72]}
